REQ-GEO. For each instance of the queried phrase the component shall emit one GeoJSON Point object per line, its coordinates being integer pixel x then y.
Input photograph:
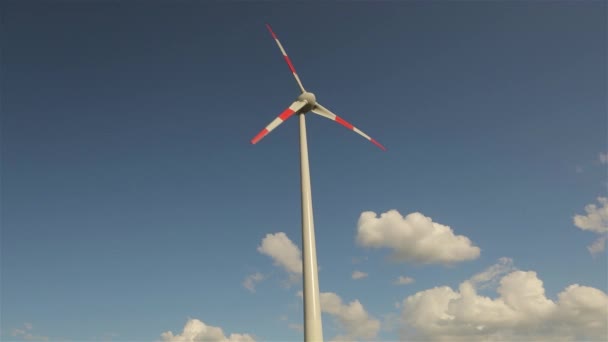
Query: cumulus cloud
{"type": "Point", "coordinates": [521, 311]}
{"type": "Point", "coordinates": [403, 280]}
{"type": "Point", "coordinates": [352, 318]}
{"type": "Point", "coordinates": [596, 221]}
{"type": "Point", "coordinates": [196, 330]}
{"type": "Point", "coordinates": [283, 252]}
{"type": "Point", "coordinates": [251, 280]}
{"type": "Point", "coordinates": [359, 275]}
{"type": "Point", "coordinates": [414, 238]}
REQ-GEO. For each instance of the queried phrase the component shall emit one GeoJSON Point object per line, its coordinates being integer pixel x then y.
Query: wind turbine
{"type": "Point", "coordinates": [307, 102]}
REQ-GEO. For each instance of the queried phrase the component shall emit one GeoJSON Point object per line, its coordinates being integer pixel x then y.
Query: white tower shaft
{"type": "Point", "coordinates": [313, 328]}
{"type": "Point", "coordinates": [306, 102]}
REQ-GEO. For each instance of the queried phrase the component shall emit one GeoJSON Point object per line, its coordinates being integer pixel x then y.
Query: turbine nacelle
{"type": "Point", "coordinates": [311, 102]}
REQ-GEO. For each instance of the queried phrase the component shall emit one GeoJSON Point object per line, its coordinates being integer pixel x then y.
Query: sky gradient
{"type": "Point", "coordinates": [132, 199]}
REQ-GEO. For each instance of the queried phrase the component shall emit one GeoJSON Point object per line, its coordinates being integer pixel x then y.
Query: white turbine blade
{"type": "Point", "coordinates": [289, 64]}
{"type": "Point", "coordinates": [320, 110]}
{"type": "Point", "coordinates": [287, 113]}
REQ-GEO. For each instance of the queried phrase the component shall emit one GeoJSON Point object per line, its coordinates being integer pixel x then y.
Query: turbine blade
{"type": "Point", "coordinates": [289, 64]}
{"type": "Point", "coordinates": [320, 110]}
{"type": "Point", "coordinates": [287, 113]}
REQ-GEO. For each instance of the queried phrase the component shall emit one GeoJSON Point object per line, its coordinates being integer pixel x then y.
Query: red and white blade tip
{"type": "Point", "coordinates": [287, 59]}
{"type": "Point", "coordinates": [322, 111]}
{"type": "Point", "coordinates": [350, 126]}
{"type": "Point", "coordinates": [378, 144]}
{"type": "Point", "coordinates": [271, 31]}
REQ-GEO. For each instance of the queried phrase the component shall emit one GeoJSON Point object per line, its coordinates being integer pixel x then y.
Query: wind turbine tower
{"type": "Point", "coordinates": [304, 103]}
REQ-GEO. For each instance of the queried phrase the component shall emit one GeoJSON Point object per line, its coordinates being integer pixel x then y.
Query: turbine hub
{"type": "Point", "coordinates": [310, 99]}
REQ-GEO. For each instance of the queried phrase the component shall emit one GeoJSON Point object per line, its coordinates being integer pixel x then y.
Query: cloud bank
{"type": "Point", "coordinates": [520, 312]}
{"type": "Point", "coordinates": [414, 238]}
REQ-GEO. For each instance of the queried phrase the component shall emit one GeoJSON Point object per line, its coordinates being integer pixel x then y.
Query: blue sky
{"type": "Point", "coordinates": [132, 200]}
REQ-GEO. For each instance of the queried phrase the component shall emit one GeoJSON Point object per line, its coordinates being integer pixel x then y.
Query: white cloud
{"type": "Point", "coordinates": [403, 280]}
{"type": "Point", "coordinates": [603, 157]}
{"type": "Point", "coordinates": [596, 220]}
{"type": "Point", "coordinates": [359, 275]}
{"type": "Point", "coordinates": [598, 246]}
{"type": "Point", "coordinates": [251, 280]}
{"type": "Point", "coordinates": [296, 327]}
{"type": "Point", "coordinates": [25, 334]}
{"type": "Point", "coordinates": [196, 330]}
{"type": "Point", "coordinates": [520, 312]}
{"type": "Point", "coordinates": [414, 238]}
{"type": "Point", "coordinates": [492, 274]}
{"type": "Point", "coordinates": [352, 318]}
{"type": "Point", "coordinates": [283, 252]}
